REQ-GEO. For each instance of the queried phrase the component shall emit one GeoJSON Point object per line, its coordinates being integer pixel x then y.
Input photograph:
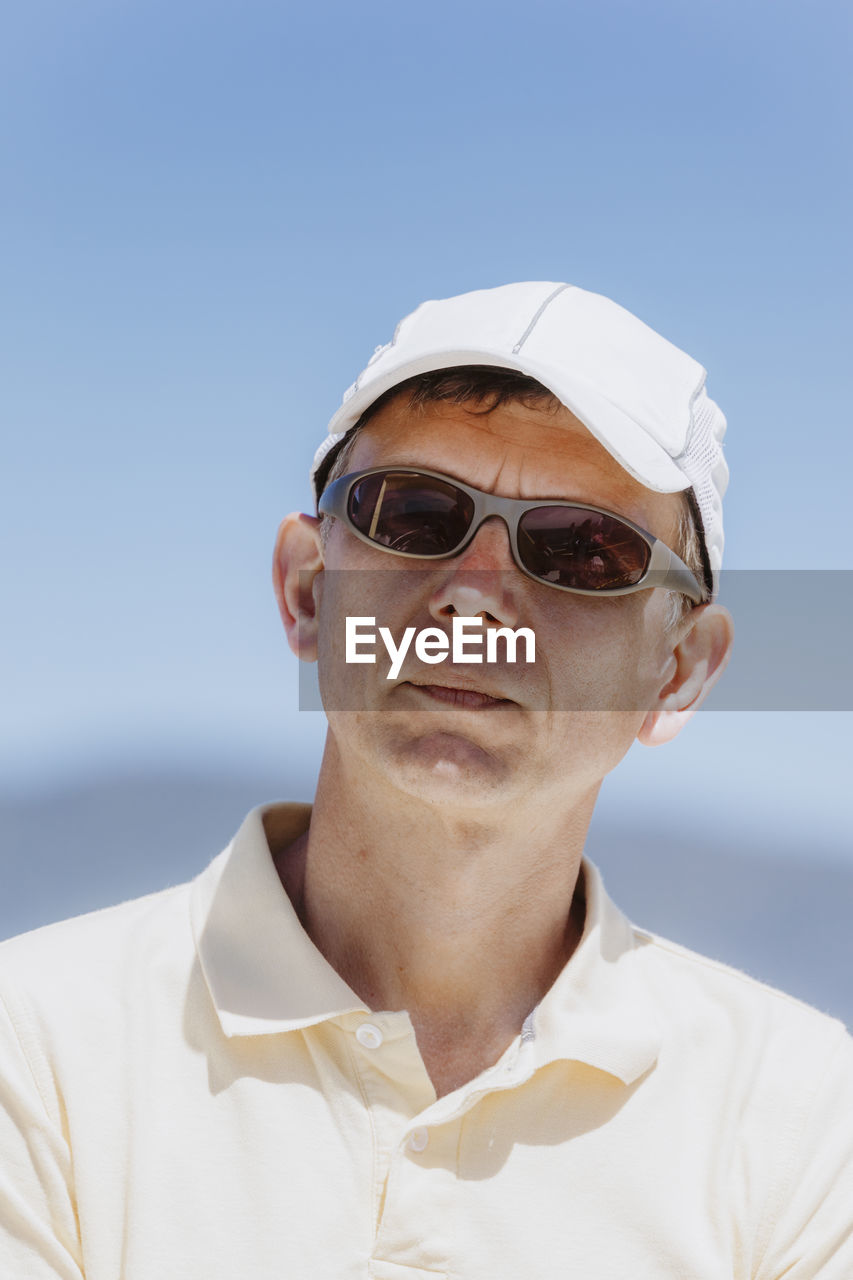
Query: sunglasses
{"type": "Point", "coordinates": [568, 545]}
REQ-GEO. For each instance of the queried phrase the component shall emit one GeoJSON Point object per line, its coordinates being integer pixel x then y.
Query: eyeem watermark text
{"type": "Point", "coordinates": [432, 644]}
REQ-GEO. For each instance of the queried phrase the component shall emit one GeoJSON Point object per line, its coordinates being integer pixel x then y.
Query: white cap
{"type": "Point", "coordinates": [643, 398]}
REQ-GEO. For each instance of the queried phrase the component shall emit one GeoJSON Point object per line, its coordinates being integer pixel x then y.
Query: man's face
{"type": "Point", "coordinates": [556, 725]}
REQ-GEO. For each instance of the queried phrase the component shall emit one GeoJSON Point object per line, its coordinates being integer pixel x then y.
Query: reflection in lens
{"type": "Point", "coordinates": [587, 550]}
{"type": "Point", "coordinates": [410, 513]}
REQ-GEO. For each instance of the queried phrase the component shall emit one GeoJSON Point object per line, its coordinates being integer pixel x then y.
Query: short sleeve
{"type": "Point", "coordinates": [812, 1230]}
{"type": "Point", "coordinates": [39, 1235]}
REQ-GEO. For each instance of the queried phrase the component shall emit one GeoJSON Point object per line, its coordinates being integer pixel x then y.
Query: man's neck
{"type": "Point", "coordinates": [463, 922]}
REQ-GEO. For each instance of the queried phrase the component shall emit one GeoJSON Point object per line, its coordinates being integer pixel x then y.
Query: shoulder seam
{"type": "Point", "coordinates": [719, 966]}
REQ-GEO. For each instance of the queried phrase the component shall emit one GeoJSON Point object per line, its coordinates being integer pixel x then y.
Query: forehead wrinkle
{"type": "Point", "coordinates": [501, 425]}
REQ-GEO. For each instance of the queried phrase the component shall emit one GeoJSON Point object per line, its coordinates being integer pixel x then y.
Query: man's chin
{"type": "Point", "coordinates": [448, 766]}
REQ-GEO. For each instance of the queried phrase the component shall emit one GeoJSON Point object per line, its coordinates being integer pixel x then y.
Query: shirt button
{"type": "Point", "coordinates": [369, 1035]}
{"type": "Point", "coordinates": [418, 1139]}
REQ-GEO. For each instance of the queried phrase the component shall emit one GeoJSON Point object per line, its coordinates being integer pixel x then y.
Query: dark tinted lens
{"type": "Point", "coordinates": [584, 549]}
{"type": "Point", "coordinates": [411, 513]}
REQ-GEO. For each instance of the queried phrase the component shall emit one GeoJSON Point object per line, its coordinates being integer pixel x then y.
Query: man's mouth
{"type": "Point", "coordinates": [470, 698]}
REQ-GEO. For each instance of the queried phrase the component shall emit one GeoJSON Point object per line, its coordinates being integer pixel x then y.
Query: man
{"type": "Point", "coordinates": [406, 1035]}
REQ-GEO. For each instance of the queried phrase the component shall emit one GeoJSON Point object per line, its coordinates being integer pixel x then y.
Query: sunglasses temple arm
{"type": "Point", "coordinates": [668, 570]}
{"type": "Point", "coordinates": [329, 499]}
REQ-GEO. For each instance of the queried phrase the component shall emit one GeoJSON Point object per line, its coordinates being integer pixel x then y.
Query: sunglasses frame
{"type": "Point", "coordinates": [665, 568]}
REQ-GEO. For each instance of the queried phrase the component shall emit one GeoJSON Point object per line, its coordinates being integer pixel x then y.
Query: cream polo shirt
{"type": "Point", "coordinates": [188, 1089]}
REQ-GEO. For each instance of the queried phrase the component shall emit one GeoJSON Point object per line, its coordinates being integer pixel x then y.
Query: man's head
{"type": "Point", "coordinates": [640, 396]}
{"type": "Point", "coordinates": [607, 669]}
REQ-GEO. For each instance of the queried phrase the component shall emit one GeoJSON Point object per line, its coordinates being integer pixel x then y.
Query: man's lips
{"type": "Point", "coordinates": [473, 699]}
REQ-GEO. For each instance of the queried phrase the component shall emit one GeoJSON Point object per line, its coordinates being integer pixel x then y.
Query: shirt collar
{"type": "Point", "coordinates": [599, 1010]}
{"type": "Point", "coordinates": [265, 975]}
{"type": "Point", "coordinates": [263, 972]}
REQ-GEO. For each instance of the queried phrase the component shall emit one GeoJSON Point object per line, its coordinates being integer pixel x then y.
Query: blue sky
{"type": "Point", "coordinates": [213, 213]}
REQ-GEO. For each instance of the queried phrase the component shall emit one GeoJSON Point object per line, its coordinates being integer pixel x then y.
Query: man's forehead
{"type": "Point", "coordinates": [517, 449]}
{"type": "Point", "coordinates": [535, 428]}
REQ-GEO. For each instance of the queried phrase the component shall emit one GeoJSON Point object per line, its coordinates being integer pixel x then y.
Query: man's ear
{"type": "Point", "coordinates": [297, 560]}
{"type": "Point", "coordinates": [700, 656]}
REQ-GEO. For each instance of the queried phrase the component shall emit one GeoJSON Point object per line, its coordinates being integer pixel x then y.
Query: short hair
{"type": "Point", "coordinates": [486, 387]}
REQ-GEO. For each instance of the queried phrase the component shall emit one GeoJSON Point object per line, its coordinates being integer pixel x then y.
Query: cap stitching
{"type": "Point", "coordinates": [535, 320]}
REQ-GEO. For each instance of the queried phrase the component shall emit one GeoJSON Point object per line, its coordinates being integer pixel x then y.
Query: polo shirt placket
{"type": "Point", "coordinates": [416, 1139]}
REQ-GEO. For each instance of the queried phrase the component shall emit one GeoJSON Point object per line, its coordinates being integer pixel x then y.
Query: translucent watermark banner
{"type": "Point", "coordinates": [498, 642]}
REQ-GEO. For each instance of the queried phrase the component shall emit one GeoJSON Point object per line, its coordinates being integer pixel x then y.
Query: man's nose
{"type": "Point", "coordinates": [481, 581]}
